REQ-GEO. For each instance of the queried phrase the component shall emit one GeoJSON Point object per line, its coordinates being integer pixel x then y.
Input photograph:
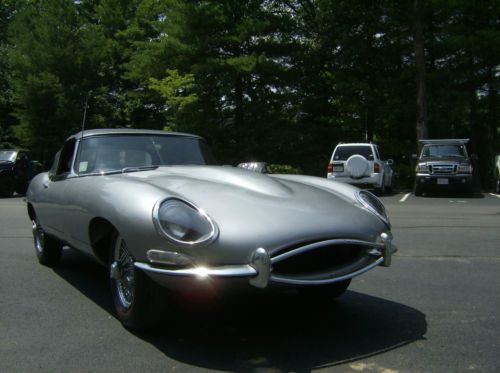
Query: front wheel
{"type": "Point", "coordinates": [417, 190]}
{"type": "Point", "coordinates": [22, 187]}
{"type": "Point", "coordinates": [382, 189]}
{"type": "Point", "coordinates": [7, 186]}
{"type": "Point", "coordinates": [48, 250]}
{"type": "Point", "coordinates": [137, 299]}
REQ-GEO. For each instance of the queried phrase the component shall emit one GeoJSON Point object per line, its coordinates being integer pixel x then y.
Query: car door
{"type": "Point", "coordinates": [55, 211]}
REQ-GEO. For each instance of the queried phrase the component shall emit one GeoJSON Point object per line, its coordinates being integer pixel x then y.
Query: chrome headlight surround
{"type": "Point", "coordinates": [373, 204]}
{"type": "Point", "coordinates": [465, 168]}
{"type": "Point", "coordinates": [192, 212]}
{"type": "Point", "coordinates": [422, 168]}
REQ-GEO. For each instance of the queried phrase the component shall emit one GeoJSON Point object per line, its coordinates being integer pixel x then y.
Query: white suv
{"type": "Point", "coordinates": [361, 164]}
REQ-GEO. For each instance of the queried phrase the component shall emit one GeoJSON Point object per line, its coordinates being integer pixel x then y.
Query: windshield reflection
{"type": "Point", "coordinates": [118, 153]}
{"type": "Point", "coordinates": [7, 155]}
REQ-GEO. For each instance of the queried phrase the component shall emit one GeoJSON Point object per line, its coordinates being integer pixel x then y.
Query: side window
{"type": "Point", "coordinates": [66, 158]}
{"type": "Point", "coordinates": [53, 168]}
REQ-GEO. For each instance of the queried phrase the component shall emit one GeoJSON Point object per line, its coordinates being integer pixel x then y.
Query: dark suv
{"type": "Point", "coordinates": [443, 165]}
{"type": "Point", "coordinates": [16, 171]}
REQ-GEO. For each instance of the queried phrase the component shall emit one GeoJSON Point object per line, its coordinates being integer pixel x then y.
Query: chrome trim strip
{"type": "Point", "coordinates": [214, 234]}
{"type": "Point", "coordinates": [292, 281]}
{"type": "Point", "coordinates": [316, 245]}
{"type": "Point", "coordinates": [224, 271]}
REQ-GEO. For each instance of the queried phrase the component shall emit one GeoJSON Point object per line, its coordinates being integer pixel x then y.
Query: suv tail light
{"type": "Point", "coordinates": [330, 167]}
{"type": "Point", "coordinates": [376, 168]}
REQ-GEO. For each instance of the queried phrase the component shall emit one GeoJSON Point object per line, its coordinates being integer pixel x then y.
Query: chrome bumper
{"type": "Point", "coordinates": [259, 270]}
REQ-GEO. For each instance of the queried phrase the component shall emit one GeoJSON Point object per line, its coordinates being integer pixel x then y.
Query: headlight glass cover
{"type": "Point", "coordinates": [183, 223]}
{"type": "Point", "coordinates": [422, 168]}
{"type": "Point", "coordinates": [465, 168]}
{"type": "Point", "coordinates": [373, 204]}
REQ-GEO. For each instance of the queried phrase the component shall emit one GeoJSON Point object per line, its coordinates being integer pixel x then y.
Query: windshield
{"type": "Point", "coordinates": [448, 150]}
{"type": "Point", "coordinates": [7, 155]}
{"type": "Point", "coordinates": [117, 152]}
{"type": "Point", "coordinates": [342, 153]}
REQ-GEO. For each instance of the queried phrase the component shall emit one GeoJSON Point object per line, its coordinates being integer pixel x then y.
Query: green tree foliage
{"type": "Point", "coordinates": [175, 88]}
{"type": "Point", "coordinates": [270, 80]}
{"type": "Point", "coordinates": [6, 120]}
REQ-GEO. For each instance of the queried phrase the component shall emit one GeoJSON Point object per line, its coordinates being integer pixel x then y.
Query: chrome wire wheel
{"type": "Point", "coordinates": [122, 271]}
{"type": "Point", "coordinates": [39, 236]}
{"type": "Point", "coordinates": [47, 249]}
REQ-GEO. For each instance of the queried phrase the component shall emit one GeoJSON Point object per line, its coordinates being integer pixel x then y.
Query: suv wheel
{"type": "Point", "coordinates": [382, 189]}
{"type": "Point", "coordinates": [417, 190]}
{"type": "Point", "coordinates": [7, 186]}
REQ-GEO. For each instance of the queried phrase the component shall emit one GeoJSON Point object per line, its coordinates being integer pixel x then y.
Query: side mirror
{"type": "Point", "coordinates": [390, 162]}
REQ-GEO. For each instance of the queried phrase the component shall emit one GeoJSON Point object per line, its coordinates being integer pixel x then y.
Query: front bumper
{"type": "Point", "coordinates": [259, 271]}
{"type": "Point", "coordinates": [444, 181]}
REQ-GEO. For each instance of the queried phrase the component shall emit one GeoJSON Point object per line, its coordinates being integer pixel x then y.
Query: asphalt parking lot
{"type": "Point", "coordinates": [437, 309]}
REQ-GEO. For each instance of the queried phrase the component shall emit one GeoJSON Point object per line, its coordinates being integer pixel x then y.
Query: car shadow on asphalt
{"type": "Point", "coordinates": [254, 331]}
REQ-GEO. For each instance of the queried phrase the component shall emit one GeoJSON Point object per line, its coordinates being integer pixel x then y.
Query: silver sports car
{"type": "Point", "coordinates": [154, 208]}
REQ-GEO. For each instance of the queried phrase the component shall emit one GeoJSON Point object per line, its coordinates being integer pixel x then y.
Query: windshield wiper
{"type": "Point", "coordinates": [140, 168]}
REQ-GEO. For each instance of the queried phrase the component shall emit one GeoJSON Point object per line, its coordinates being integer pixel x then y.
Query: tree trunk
{"type": "Point", "coordinates": [421, 127]}
{"type": "Point", "coordinates": [238, 101]}
{"type": "Point", "coordinates": [492, 108]}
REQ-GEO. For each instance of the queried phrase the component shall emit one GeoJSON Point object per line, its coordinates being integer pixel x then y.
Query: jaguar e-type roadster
{"type": "Point", "coordinates": [153, 207]}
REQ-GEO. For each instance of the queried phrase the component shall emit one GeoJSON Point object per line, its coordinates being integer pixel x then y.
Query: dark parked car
{"type": "Point", "coordinates": [154, 209]}
{"type": "Point", "coordinates": [16, 170]}
{"type": "Point", "coordinates": [443, 165]}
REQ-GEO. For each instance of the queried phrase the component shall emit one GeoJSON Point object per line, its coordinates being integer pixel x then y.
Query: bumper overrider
{"type": "Point", "coordinates": [264, 269]}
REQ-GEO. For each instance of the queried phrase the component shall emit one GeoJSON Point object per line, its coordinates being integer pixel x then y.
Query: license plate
{"type": "Point", "coordinates": [442, 181]}
{"type": "Point", "coordinates": [338, 168]}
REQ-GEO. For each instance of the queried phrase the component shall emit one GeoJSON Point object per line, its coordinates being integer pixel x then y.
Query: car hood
{"type": "Point", "coordinates": [247, 204]}
{"type": "Point", "coordinates": [6, 165]}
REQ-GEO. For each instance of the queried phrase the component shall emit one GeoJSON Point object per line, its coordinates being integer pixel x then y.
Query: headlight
{"type": "Point", "coordinates": [465, 168]}
{"type": "Point", "coordinates": [422, 168]}
{"type": "Point", "coordinates": [183, 223]}
{"type": "Point", "coordinates": [374, 205]}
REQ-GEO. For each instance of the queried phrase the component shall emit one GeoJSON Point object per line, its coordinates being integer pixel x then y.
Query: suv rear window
{"type": "Point", "coordinates": [344, 152]}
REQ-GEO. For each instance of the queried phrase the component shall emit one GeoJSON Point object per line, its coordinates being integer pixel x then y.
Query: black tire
{"type": "Point", "coordinates": [469, 191]}
{"type": "Point", "coordinates": [382, 190]}
{"type": "Point", "coordinates": [324, 292]}
{"type": "Point", "coordinates": [388, 189]}
{"type": "Point", "coordinates": [7, 186]}
{"type": "Point", "coordinates": [139, 302]}
{"type": "Point", "coordinates": [417, 191]}
{"type": "Point", "coordinates": [22, 187]}
{"type": "Point", "coordinates": [48, 250]}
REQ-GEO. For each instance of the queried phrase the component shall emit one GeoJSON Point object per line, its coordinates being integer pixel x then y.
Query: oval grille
{"type": "Point", "coordinates": [324, 259]}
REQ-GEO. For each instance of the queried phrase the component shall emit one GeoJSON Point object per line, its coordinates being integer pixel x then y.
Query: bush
{"type": "Point", "coordinates": [284, 169]}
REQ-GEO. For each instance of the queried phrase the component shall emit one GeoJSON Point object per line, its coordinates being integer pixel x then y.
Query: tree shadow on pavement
{"type": "Point", "coordinates": [254, 331]}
